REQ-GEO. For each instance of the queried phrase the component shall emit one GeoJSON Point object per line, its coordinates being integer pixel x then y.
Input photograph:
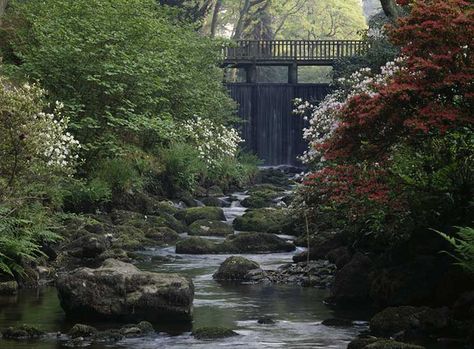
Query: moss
{"type": "Point", "coordinates": [197, 245]}
{"type": "Point", "coordinates": [213, 333]}
{"type": "Point", "coordinates": [251, 242]}
{"type": "Point", "coordinates": [8, 288]}
{"type": "Point", "coordinates": [391, 344]}
{"type": "Point", "coordinates": [196, 213]}
{"type": "Point", "coordinates": [22, 332]}
{"type": "Point", "coordinates": [235, 268]}
{"type": "Point", "coordinates": [81, 330]}
{"type": "Point", "coordinates": [162, 235]}
{"type": "Point", "coordinates": [248, 242]}
{"type": "Point", "coordinates": [266, 220]}
{"type": "Point", "coordinates": [204, 227]}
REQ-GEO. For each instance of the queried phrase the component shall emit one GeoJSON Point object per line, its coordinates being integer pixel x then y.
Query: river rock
{"type": "Point", "coordinates": [8, 288]}
{"type": "Point", "coordinates": [409, 319]}
{"type": "Point", "coordinates": [321, 244]}
{"type": "Point", "coordinates": [213, 333]}
{"type": "Point", "coordinates": [119, 289]}
{"type": "Point", "coordinates": [351, 284]}
{"type": "Point", "coordinates": [193, 214]}
{"type": "Point", "coordinates": [248, 242]}
{"type": "Point", "coordinates": [22, 332]}
{"type": "Point", "coordinates": [262, 196]}
{"type": "Point", "coordinates": [266, 320]}
{"type": "Point", "coordinates": [204, 227]}
{"type": "Point", "coordinates": [265, 220]}
{"type": "Point", "coordinates": [337, 322]}
{"type": "Point", "coordinates": [81, 330]}
{"type": "Point", "coordinates": [235, 268]}
{"type": "Point", "coordinates": [273, 176]}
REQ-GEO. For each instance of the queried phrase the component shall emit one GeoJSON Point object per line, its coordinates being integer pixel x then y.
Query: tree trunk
{"type": "Point", "coordinates": [215, 17]}
{"type": "Point", "coordinates": [390, 8]}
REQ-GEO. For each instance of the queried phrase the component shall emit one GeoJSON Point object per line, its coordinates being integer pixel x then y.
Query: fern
{"type": "Point", "coordinates": [21, 234]}
{"type": "Point", "coordinates": [463, 245]}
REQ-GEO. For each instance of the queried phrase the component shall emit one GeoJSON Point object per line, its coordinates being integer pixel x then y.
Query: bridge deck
{"type": "Point", "coordinates": [288, 52]}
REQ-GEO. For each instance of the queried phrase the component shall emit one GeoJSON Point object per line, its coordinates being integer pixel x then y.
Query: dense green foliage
{"type": "Point", "coordinates": [133, 110]}
{"type": "Point", "coordinates": [125, 70]}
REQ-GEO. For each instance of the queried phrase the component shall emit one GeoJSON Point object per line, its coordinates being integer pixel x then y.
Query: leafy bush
{"type": "Point", "coordinates": [393, 151]}
{"type": "Point", "coordinates": [463, 246]}
{"type": "Point", "coordinates": [33, 144]}
{"type": "Point", "coordinates": [21, 234]}
{"type": "Point", "coordinates": [119, 174]}
{"type": "Point", "coordinates": [125, 69]}
{"type": "Point", "coordinates": [183, 168]}
{"type": "Point", "coordinates": [85, 197]}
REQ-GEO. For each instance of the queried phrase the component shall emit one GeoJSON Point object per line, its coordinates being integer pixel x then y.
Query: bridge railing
{"type": "Point", "coordinates": [297, 50]}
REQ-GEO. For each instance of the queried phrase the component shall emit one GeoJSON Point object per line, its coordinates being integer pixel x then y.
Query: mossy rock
{"type": "Point", "coordinates": [235, 268]}
{"type": "Point", "coordinates": [193, 214]}
{"type": "Point", "coordinates": [213, 333]}
{"type": "Point", "coordinates": [273, 176]}
{"type": "Point", "coordinates": [8, 288]}
{"type": "Point", "coordinates": [22, 332]}
{"type": "Point", "coordinates": [211, 201]}
{"type": "Point", "coordinates": [204, 227]}
{"type": "Point", "coordinates": [197, 245]}
{"type": "Point", "coordinates": [215, 191]}
{"type": "Point", "coordinates": [115, 253]}
{"type": "Point", "coordinates": [251, 242]}
{"type": "Point", "coordinates": [129, 238]}
{"type": "Point", "coordinates": [81, 330]}
{"type": "Point", "coordinates": [393, 320]}
{"type": "Point", "coordinates": [162, 235]}
{"type": "Point", "coordinates": [164, 207]}
{"type": "Point", "coordinates": [391, 344]}
{"type": "Point", "coordinates": [266, 220]}
{"type": "Point", "coordinates": [248, 242]}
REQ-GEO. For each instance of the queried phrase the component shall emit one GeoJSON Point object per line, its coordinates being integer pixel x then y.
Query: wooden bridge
{"type": "Point", "coordinates": [249, 54]}
{"type": "Point", "coordinates": [269, 128]}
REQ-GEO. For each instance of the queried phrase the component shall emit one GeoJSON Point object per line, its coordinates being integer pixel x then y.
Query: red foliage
{"type": "Point", "coordinates": [433, 94]}
{"type": "Point", "coordinates": [356, 189]}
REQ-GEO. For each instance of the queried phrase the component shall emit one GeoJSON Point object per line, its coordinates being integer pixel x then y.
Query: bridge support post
{"type": "Point", "coordinates": [293, 73]}
{"type": "Point", "coordinates": [251, 73]}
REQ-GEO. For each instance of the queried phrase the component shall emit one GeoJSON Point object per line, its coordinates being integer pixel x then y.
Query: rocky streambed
{"type": "Point", "coordinates": [100, 281]}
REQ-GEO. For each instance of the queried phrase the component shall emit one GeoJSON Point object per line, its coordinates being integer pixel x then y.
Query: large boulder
{"type": "Point", "coordinates": [395, 320]}
{"type": "Point", "coordinates": [235, 268]}
{"type": "Point", "coordinates": [320, 245]}
{"type": "Point", "coordinates": [205, 227]}
{"type": "Point", "coordinates": [248, 242]}
{"type": "Point", "coordinates": [121, 290]}
{"type": "Point", "coordinates": [193, 214]}
{"type": "Point", "coordinates": [351, 284]}
{"type": "Point", "coordinates": [197, 245]}
{"type": "Point", "coordinates": [262, 196]}
{"type": "Point", "coordinates": [266, 220]}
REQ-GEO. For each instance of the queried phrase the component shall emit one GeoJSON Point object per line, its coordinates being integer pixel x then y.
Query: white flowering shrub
{"type": "Point", "coordinates": [214, 142]}
{"type": "Point", "coordinates": [323, 118]}
{"type": "Point", "coordinates": [32, 142]}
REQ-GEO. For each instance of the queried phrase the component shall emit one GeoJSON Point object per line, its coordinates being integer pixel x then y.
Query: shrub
{"type": "Point", "coordinates": [22, 231]}
{"type": "Point", "coordinates": [183, 168]}
{"type": "Point", "coordinates": [125, 69]}
{"type": "Point", "coordinates": [463, 245]}
{"type": "Point", "coordinates": [84, 197]}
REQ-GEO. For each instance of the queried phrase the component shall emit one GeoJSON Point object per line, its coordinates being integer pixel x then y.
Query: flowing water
{"type": "Point", "coordinates": [298, 311]}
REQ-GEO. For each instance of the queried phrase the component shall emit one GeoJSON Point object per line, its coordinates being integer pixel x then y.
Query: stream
{"type": "Point", "coordinates": [298, 311]}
